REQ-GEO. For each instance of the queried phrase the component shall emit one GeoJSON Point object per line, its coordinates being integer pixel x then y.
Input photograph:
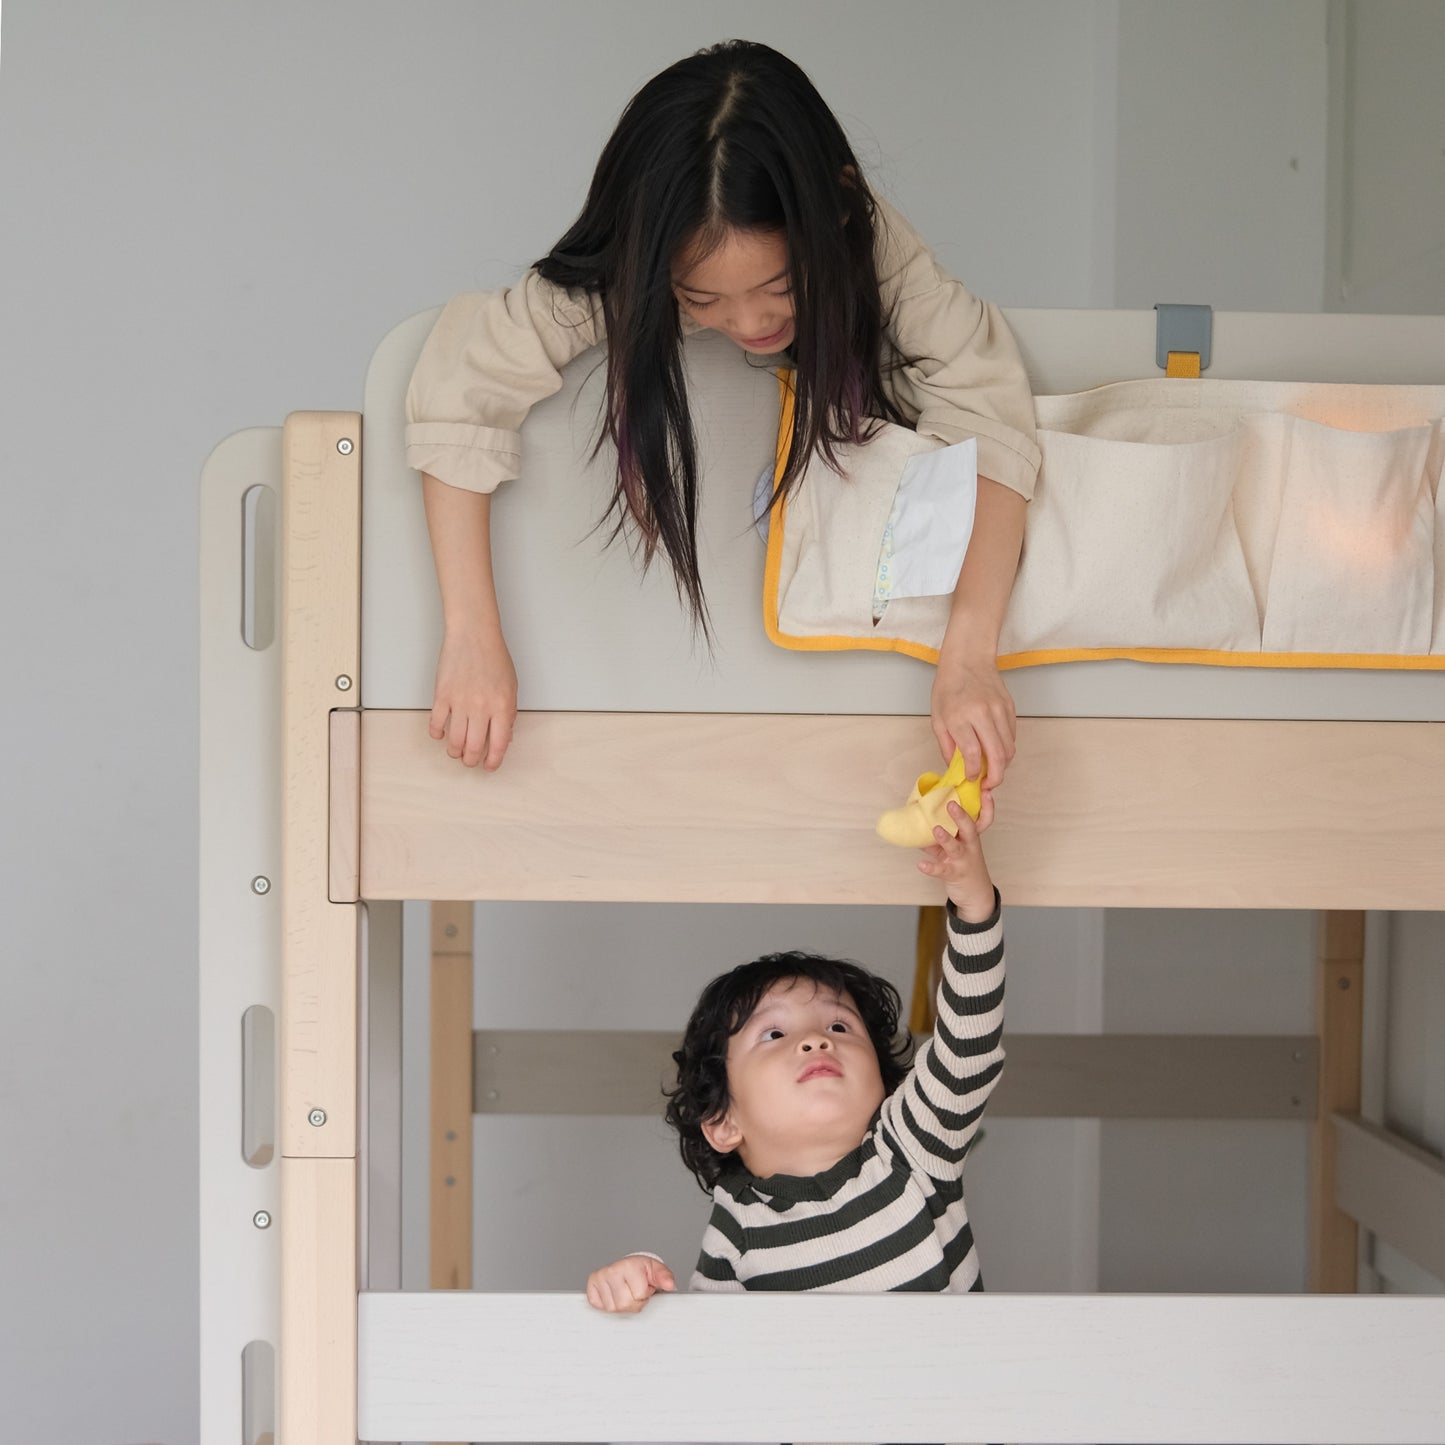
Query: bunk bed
{"type": "Point", "coordinates": [752, 775]}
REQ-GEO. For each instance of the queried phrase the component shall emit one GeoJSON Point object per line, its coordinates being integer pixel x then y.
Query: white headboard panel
{"type": "Point", "coordinates": [588, 634]}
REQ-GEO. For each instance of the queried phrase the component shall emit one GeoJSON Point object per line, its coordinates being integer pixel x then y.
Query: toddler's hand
{"type": "Point", "coordinates": [960, 863]}
{"type": "Point", "coordinates": [475, 704]}
{"type": "Point", "coordinates": [627, 1285]}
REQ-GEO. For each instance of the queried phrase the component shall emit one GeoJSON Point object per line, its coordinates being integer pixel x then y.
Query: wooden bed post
{"type": "Point", "coordinates": [321, 562]}
{"type": "Point", "coordinates": [451, 1096]}
{"type": "Point", "coordinates": [1339, 1022]}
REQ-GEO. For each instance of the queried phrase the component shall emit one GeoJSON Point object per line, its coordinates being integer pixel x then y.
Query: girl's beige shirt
{"type": "Point", "coordinates": [954, 371]}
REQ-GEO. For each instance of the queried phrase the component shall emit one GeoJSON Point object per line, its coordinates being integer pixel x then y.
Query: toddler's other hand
{"type": "Point", "coordinates": [627, 1285]}
{"type": "Point", "coordinates": [475, 704]}
{"type": "Point", "coordinates": [960, 863]}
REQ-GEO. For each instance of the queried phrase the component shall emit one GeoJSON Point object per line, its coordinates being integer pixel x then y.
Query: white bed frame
{"type": "Point", "coordinates": [323, 801]}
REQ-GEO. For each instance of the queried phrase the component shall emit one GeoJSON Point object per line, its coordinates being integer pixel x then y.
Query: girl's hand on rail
{"type": "Point", "coordinates": [972, 710]}
{"type": "Point", "coordinates": [475, 704]}
{"type": "Point", "coordinates": [624, 1287]}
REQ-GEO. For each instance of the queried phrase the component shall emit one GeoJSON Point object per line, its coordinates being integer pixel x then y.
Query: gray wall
{"type": "Point", "coordinates": [208, 215]}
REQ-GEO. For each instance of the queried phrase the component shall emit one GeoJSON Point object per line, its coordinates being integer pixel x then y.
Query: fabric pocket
{"type": "Point", "coordinates": [823, 559]}
{"type": "Point", "coordinates": [1133, 545]}
{"type": "Point", "coordinates": [1352, 569]}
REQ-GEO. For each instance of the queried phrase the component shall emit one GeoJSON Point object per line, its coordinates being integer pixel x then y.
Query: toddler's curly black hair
{"type": "Point", "coordinates": [728, 1002]}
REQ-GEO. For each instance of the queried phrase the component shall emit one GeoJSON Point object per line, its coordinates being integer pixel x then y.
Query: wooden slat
{"type": "Point", "coordinates": [316, 1360]}
{"type": "Point", "coordinates": [381, 1218]}
{"type": "Point", "coordinates": [345, 822]}
{"type": "Point", "coordinates": [927, 969]}
{"type": "Point", "coordinates": [320, 578]}
{"type": "Point", "coordinates": [1393, 1188]}
{"type": "Point", "coordinates": [1251, 1370]}
{"type": "Point", "coordinates": [780, 809]}
{"type": "Point", "coordinates": [451, 1096]}
{"type": "Point", "coordinates": [1339, 1023]}
{"type": "Point", "coordinates": [317, 1378]}
{"type": "Point", "coordinates": [1058, 1076]}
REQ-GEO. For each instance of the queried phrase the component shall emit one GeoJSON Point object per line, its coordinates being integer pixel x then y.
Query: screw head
{"type": "Point", "coordinates": [345, 447]}
{"type": "Point", "coordinates": [316, 1118]}
{"type": "Point", "coordinates": [261, 1219]}
{"type": "Point", "coordinates": [343, 683]}
{"type": "Point", "coordinates": [260, 884]}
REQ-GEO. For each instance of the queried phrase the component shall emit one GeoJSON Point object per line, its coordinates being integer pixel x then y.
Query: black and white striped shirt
{"type": "Point", "coordinates": [890, 1215]}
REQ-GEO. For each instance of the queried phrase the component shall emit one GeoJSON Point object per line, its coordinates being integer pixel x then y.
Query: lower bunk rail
{"type": "Point", "coordinates": [1121, 1368]}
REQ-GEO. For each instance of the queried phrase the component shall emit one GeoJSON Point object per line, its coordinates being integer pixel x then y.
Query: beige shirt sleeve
{"type": "Point", "coordinates": [959, 373]}
{"type": "Point", "coordinates": [491, 356]}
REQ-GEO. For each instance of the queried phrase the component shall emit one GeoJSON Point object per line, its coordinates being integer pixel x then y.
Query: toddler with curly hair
{"type": "Point", "coordinates": [834, 1164]}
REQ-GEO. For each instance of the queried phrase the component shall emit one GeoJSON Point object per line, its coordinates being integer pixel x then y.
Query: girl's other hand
{"type": "Point", "coordinates": [624, 1287]}
{"type": "Point", "coordinates": [475, 704]}
{"type": "Point", "coordinates": [972, 710]}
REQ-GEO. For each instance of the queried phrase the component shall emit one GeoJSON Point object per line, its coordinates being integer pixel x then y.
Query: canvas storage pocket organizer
{"type": "Point", "coordinates": [1228, 522]}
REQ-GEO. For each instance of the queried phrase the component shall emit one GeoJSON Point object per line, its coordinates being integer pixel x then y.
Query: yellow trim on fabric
{"type": "Point", "coordinates": [1204, 657]}
{"type": "Point", "coordinates": [773, 567]}
{"type": "Point", "coordinates": [1199, 657]}
{"type": "Point", "coordinates": [1182, 363]}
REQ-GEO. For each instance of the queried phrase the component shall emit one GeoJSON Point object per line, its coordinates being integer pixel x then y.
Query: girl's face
{"type": "Point", "coordinates": [741, 289]}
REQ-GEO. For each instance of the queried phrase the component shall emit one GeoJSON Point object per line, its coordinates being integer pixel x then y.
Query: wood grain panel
{"type": "Point", "coordinates": [1247, 1370]}
{"type": "Point", "coordinates": [317, 1379]}
{"type": "Point", "coordinates": [1394, 1188]}
{"type": "Point", "coordinates": [780, 809]}
{"type": "Point", "coordinates": [321, 648]}
{"type": "Point", "coordinates": [1339, 1023]}
{"type": "Point", "coordinates": [345, 822]}
{"type": "Point", "coordinates": [1048, 1076]}
{"type": "Point", "coordinates": [451, 1096]}
{"type": "Point", "coordinates": [316, 1362]}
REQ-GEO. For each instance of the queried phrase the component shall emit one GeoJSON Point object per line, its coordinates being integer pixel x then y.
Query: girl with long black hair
{"type": "Point", "coordinates": [727, 198]}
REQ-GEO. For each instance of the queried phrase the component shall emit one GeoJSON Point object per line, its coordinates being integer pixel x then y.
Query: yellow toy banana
{"type": "Point", "coordinates": [912, 825]}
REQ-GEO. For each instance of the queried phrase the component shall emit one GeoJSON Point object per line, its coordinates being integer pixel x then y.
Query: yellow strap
{"type": "Point", "coordinates": [928, 965]}
{"type": "Point", "coordinates": [1182, 363]}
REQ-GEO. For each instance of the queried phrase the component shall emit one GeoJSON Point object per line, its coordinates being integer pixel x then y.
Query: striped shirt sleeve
{"type": "Point", "coordinates": [717, 1265]}
{"type": "Point", "coordinates": [934, 1114]}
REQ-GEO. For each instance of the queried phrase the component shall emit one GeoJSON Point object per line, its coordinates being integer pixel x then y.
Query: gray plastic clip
{"type": "Point", "coordinates": [1183, 328]}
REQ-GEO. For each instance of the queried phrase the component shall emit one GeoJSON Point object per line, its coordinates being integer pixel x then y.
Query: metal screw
{"type": "Point", "coordinates": [1344, 983]}
{"type": "Point", "coordinates": [261, 1219]}
{"type": "Point", "coordinates": [260, 884]}
{"type": "Point", "coordinates": [451, 1135]}
{"type": "Point", "coordinates": [316, 1117]}
{"type": "Point", "coordinates": [1298, 1056]}
{"type": "Point", "coordinates": [1294, 1100]}
{"type": "Point", "coordinates": [343, 683]}
{"type": "Point", "coordinates": [450, 930]}
{"type": "Point", "coordinates": [345, 447]}
{"type": "Point", "coordinates": [493, 1094]}
{"type": "Point", "coordinates": [451, 1179]}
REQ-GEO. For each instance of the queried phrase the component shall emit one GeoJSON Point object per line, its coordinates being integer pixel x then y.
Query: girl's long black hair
{"type": "Point", "coordinates": [733, 138]}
